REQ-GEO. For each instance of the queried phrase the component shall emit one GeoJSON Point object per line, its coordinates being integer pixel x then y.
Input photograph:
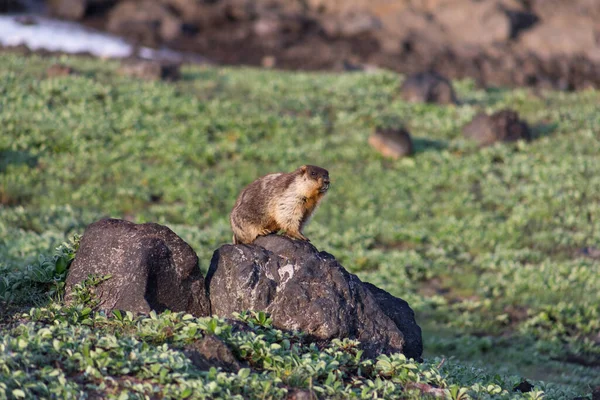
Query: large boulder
{"type": "Point", "coordinates": [151, 267]}
{"type": "Point", "coordinates": [307, 290]}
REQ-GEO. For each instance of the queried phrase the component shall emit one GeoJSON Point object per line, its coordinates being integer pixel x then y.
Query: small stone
{"type": "Point", "coordinates": [210, 351]}
{"type": "Point", "coordinates": [392, 143]}
{"type": "Point", "coordinates": [428, 87]}
{"type": "Point", "coordinates": [523, 387]}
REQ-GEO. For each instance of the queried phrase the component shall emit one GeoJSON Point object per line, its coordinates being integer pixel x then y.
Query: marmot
{"type": "Point", "coordinates": [278, 202]}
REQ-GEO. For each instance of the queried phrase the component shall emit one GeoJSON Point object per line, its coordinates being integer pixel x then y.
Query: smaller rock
{"type": "Point", "coordinates": [523, 387]}
{"type": "Point", "coordinates": [151, 268]}
{"type": "Point", "coordinates": [154, 70]}
{"type": "Point", "coordinates": [210, 351]}
{"type": "Point", "coordinates": [503, 126]}
{"type": "Point", "coordinates": [392, 143]}
{"type": "Point", "coordinates": [428, 87]}
{"type": "Point", "coordinates": [59, 70]}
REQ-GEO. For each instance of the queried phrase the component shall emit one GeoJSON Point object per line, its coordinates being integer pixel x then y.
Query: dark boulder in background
{"type": "Point", "coordinates": [307, 290]}
{"type": "Point", "coordinates": [502, 126]}
{"type": "Point", "coordinates": [152, 268]}
{"type": "Point", "coordinates": [428, 87]}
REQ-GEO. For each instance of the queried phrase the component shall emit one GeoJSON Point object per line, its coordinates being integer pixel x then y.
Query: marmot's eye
{"type": "Point", "coordinates": [313, 173]}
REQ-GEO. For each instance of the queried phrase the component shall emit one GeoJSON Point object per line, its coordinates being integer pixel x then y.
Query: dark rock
{"type": "Point", "coordinates": [145, 22]}
{"type": "Point", "coordinates": [403, 316]}
{"type": "Point", "coordinates": [210, 351]}
{"type": "Point", "coordinates": [502, 126]}
{"type": "Point", "coordinates": [59, 70]}
{"type": "Point", "coordinates": [523, 387]}
{"type": "Point", "coordinates": [307, 290]}
{"type": "Point", "coordinates": [428, 87]}
{"type": "Point", "coordinates": [152, 268]}
{"type": "Point", "coordinates": [596, 393]}
{"type": "Point", "coordinates": [393, 143]}
{"type": "Point", "coordinates": [164, 70]}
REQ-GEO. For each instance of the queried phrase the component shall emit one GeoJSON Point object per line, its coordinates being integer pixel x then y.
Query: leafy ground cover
{"type": "Point", "coordinates": [495, 248]}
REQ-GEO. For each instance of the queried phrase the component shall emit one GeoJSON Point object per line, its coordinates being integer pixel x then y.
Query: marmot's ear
{"type": "Point", "coordinates": [303, 169]}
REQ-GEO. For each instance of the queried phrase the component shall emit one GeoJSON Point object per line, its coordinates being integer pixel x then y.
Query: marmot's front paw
{"type": "Point", "coordinates": [297, 236]}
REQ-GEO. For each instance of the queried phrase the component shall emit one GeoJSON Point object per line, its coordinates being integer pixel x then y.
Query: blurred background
{"type": "Point", "coordinates": [539, 43]}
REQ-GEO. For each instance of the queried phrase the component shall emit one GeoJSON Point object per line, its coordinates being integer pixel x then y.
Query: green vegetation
{"type": "Point", "coordinates": [485, 244]}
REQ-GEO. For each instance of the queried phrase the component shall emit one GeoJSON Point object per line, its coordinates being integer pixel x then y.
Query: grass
{"type": "Point", "coordinates": [487, 245]}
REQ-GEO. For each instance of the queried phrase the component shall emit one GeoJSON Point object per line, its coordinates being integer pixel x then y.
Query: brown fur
{"type": "Point", "coordinates": [278, 202]}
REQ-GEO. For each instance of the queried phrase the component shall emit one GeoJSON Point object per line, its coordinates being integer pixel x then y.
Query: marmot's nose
{"type": "Point", "coordinates": [326, 180]}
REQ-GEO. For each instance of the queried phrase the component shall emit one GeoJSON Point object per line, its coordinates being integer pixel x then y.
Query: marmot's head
{"type": "Point", "coordinates": [317, 174]}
